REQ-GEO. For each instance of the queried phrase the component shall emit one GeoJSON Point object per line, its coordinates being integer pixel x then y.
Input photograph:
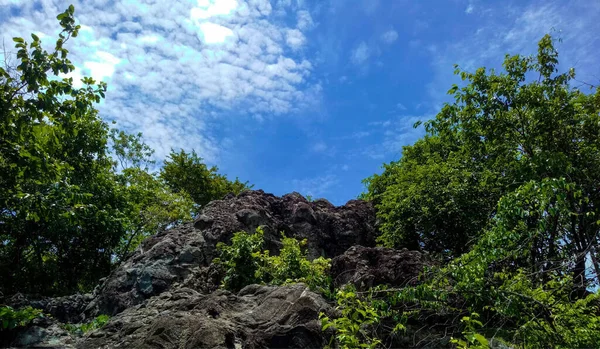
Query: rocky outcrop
{"type": "Point", "coordinates": [166, 294]}
{"type": "Point", "coordinates": [183, 255]}
{"type": "Point", "coordinates": [365, 267]}
{"type": "Point", "coordinates": [257, 317]}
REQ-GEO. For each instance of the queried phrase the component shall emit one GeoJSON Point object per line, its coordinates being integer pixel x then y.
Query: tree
{"type": "Point", "coordinates": [60, 208]}
{"type": "Point", "coordinates": [502, 131]}
{"type": "Point", "coordinates": [522, 148]}
{"type": "Point", "coordinates": [185, 172]}
{"type": "Point", "coordinates": [435, 198]}
{"type": "Point", "coordinates": [151, 205]}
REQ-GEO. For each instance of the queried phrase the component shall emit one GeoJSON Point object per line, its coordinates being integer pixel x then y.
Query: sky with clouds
{"type": "Point", "coordinates": [296, 95]}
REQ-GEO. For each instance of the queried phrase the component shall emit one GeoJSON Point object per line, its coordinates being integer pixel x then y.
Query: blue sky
{"type": "Point", "coordinates": [295, 95]}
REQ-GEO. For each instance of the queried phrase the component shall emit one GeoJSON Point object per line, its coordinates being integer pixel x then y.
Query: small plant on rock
{"type": "Point", "coordinates": [95, 324]}
{"type": "Point", "coordinates": [352, 328]}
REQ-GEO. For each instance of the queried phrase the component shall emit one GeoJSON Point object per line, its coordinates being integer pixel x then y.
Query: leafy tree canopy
{"type": "Point", "coordinates": [504, 188]}
{"type": "Point", "coordinates": [76, 196]}
{"type": "Point", "coordinates": [186, 172]}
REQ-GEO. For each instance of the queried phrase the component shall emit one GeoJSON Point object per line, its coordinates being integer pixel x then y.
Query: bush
{"type": "Point", "coordinates": [10, 318]}
{"type": "Point", "coordinates": [246, 263]}
{"type": "Point", "coordinates": [242, 259]}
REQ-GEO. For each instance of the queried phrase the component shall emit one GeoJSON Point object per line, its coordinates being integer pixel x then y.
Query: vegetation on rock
{"type": "Point", "coordinates": [95, 324]}
{"type": "Point", "coordinates": [246, 263]}
{"type": "Point", "coordinates": [11, 318]}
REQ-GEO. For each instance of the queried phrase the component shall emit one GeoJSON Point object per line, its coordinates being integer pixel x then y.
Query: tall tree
{"type": "Point", "coordinates": [503, 130]}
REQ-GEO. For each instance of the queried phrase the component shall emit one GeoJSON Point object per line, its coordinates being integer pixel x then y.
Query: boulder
{"type": "Point", "coordinates": [365, 267]}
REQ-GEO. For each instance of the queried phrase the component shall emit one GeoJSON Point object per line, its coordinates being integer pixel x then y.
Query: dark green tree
{"type": "Point", "coordinates": [186, 172]}
{"type": "Point", "coordinates": [503, 130]}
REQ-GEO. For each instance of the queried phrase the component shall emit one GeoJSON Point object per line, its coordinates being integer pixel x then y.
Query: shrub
{"type": "Point", "coordinates": [246, 263]}
{"type": "Point", "coordinates": [242, 259]}
{"type": "Point", "coordinates": [10, 318]}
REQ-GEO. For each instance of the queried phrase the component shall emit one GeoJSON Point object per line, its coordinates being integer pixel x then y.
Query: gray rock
{"type": "Point", "coordinates": [257, 317]}
{"type": "Point", "coordinates": [365, 267]}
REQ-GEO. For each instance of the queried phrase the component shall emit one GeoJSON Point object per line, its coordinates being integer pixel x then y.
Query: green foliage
{"type": "Point", "coordinates": [70, 206]}
{"type": "Point", "coordinates": [81, 329]}
{"type": "Point", "coordinates": [60, 207]}
{"type": "Point", "coordinates": [246, 263]}
{"type": "Point", "coordinates": [186, 172]}
{"type": "Point", "coordinates": [292, 266]}
{"type": "Point", "coordinates": [504, 187]}
{"type": "Point", "coordinates": [242, 259]}
{"type": "Point", "coordinates": [362, 318]}
{"type": "Point", "coordinates": [151, 205]}
{"type": "Point", "coordinates": [473, 339]}
{"type": "Point", "coordinates": [435, 198]}
{"type": "Point", "coordinates": [130, 150]}
{"type": "Point", "coordinates": [10, 318]}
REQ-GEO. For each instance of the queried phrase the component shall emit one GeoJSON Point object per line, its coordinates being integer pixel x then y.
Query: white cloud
{"type": "Point", "coordinates": [469, 9]}
{"type": "Point", "coordinates": [213, 33]}
{"type": "Point", "coordinates": [319, 147]}
{"type": "Point", "coordinates": [294, 38]}
{"type": "Point", "coordinates": [400, 106]}
{"type": "Point", "coordinates": [390, 36]}
{"type": "Point", "coordinates": [360, 54]}
{"type": "Point", "coordinates": [175, 69]}
{"type": "Point", "coordinates": [210, 8]}
{"type": "Point", "coordinates": [316, 186]}
{"type": "Point", "coordinates": [103, 67]}
{"type": "Point", "coordinates": [305, 20]}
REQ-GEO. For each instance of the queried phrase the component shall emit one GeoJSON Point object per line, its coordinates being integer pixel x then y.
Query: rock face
{"type": "Point", "coordinates": [257, 317]}
{"type": "Point", "coordinates": [182, 256]}
{"type": "Point", "coordinates": [64, 309]}
{"type": "Point", "coordinates": [165, 294]}
{"type": "Point", "coordinates": [365, 267]}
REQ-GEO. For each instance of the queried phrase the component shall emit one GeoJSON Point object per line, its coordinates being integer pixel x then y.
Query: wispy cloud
{"type": "Point", "coordinates": [394, 133]}
{"type": "Point", "coordinates": [470, 8]}
{"type": "Point", "coordinates": [316, 186]}
{"type": "Point", "coordinates": [305, 20]}
{"type": "Point", "coordinates": [175, 68]}
{"type": "Point", "coordinates": [487, 46]}
{"type": "Point", "coordinates": [360, 54]}
{"type": "Point", "coordinates": [390, 36]}
{"type": "Point", "coordinates": [319, 147]}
